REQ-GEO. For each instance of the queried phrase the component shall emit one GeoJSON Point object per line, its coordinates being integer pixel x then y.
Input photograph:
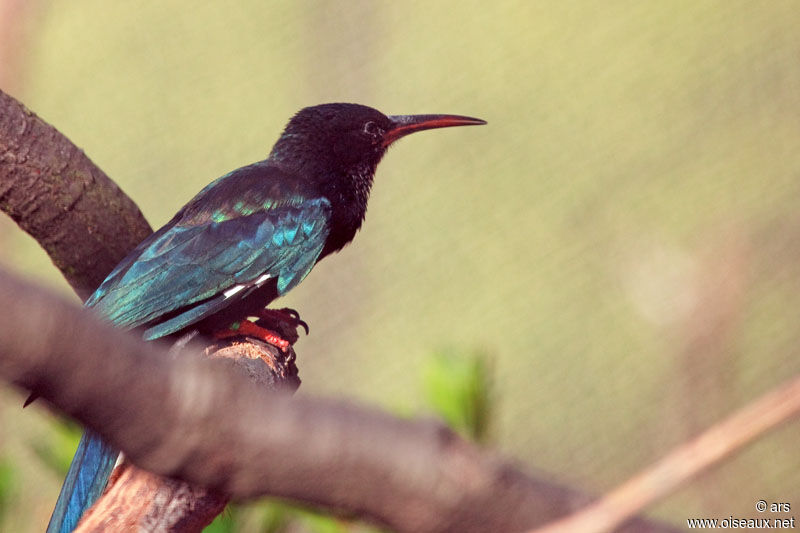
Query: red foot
{"type": "Point", "coordinates": [245, 327]}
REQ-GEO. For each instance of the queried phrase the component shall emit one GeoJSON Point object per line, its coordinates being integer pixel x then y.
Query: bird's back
{"type": "Point", "coordinates": [254, 222]}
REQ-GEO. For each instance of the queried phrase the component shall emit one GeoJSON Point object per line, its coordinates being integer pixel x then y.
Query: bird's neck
{"type": "Point", "coordinates": [347, 187]}
{"type": "Point", "coordinates": [348, 193]}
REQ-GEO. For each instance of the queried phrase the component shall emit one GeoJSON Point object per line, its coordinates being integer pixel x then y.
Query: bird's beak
{"type": "Point", "coordinates": [402, 125]}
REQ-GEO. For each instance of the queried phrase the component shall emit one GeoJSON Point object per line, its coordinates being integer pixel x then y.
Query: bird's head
{"type": "Point", "coordinates": [334, 150]}
{"type": "Point", "coordinates": [349, 139]}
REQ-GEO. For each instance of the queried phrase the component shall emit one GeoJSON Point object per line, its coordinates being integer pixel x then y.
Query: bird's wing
{"type": "Point", "coordinates": [211, 259]}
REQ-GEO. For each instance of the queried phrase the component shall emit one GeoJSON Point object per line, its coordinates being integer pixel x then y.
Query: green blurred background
{"type": "Point", "coordinates": [619, 245]}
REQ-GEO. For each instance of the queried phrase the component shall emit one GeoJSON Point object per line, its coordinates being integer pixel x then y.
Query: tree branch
{"type": "Point", "coordinates": [138, 499]}
{"type": "Point", "coordinates": [55, 193]}
{"type": "Point", "coordinates": [182, 417]}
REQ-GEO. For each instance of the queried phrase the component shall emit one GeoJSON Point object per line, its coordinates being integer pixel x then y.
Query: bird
{"type": "Point", "coordinates": [244, 240]}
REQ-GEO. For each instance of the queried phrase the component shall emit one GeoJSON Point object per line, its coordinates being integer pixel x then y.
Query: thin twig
{"type": "Point", "coordinates": [779, 405]}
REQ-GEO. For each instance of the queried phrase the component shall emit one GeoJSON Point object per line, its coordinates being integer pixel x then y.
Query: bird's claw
{"type": "Point", "coordinates": [286, 315]}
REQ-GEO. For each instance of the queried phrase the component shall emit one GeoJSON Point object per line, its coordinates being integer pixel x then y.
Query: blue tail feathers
{"type": "Point", "coordinates": [86, 479]}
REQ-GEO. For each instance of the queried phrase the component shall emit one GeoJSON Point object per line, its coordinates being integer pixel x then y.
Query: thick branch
{"type": "Point", "coordinates": [186, 418]}
{"type": "Point", "coordinates": [56, 194]}
{"type": "Point", "coordinates": [138, 499]}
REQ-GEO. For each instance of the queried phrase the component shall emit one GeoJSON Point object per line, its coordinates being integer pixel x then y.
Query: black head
{"type": "Point", "coordinates": [335, 149]}
{"type": "Point", "coordinates": [345, 138]}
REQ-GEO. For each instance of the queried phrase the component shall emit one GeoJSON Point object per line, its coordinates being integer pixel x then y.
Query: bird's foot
{"type": "Point", "coordinates": [277, 327]}
{"type": "Point", "coordinates": [282, 317]}
{"type": "Point", "coordinates": [250, 329]}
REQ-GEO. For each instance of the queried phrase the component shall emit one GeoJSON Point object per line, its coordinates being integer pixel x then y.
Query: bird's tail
{"type": "Point", "coordinates": [86, 479]}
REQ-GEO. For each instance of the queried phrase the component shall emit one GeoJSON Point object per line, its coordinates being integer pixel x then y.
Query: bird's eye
{"type": "Point", "coordinates": [372, 129]}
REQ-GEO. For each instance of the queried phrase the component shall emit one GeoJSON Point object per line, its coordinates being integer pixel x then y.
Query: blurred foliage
{"type": "Point", "coordinates": [622, 237]}
{"type": "Point", "coordinates": [56, 452]}
{"type": "Point", "coordinates": [458, 388]}
{"type": "Point", "coordinates": [8, 487]}
{"type": "Point", "coordinates": [266, 517]}
{"type": "Point", "coordinates": [277, 517]}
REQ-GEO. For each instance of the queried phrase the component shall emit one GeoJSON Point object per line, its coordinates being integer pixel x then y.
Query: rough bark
{"type": "Point", "coordinates": [54, 192]}
{"type": "Point", "coordinates": [137, 500]}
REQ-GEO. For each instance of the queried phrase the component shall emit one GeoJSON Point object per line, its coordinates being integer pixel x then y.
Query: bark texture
{"type": "Point", "coordinates": [54, 192]}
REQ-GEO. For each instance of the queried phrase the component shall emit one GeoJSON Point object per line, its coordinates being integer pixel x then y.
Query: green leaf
{"type": "Point", "coordinates": [7, 485]}
{"type": "Point", "coordinates": [457, 387]}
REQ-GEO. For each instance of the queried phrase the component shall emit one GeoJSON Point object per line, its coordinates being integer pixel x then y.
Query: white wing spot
{"type": "Point", "coordinates": [262, 279]}
{"type": "Point", "coordinates": [233, 290]}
